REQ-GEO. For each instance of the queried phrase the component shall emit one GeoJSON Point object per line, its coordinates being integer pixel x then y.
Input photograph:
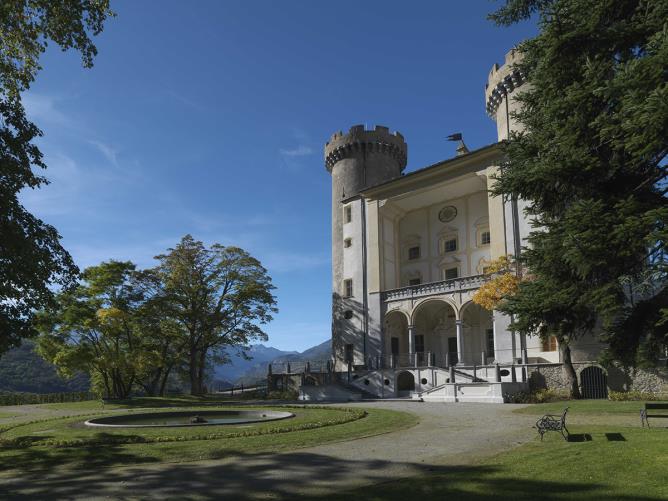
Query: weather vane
{"type": "Point", "coordinates": [461, 147]}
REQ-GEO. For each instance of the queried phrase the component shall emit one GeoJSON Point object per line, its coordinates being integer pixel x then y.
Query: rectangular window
{"type": "Point", "coordinates": [419, 343]}
{"type": "Point", "coordinates": [451, 273]}
{"type": "Point", "coordinates": [350, 354]}
{"type": "Point", "coordinates": [347, 214]}
{"type": "Point", "coordinates": [395, 345]}
{"type": "Point", "coordinates": [450, 245]}
{"type": "Point", "coordinates": [485, 238]}
{"type": "Point", "coordinates": [490, 342]}
{"type": "Point", "coordinates": [414, 281]}
{"type": "Point", "coordinates": [550, 344]}
{"type": "Point", "coordinates": [347, 242]}
{"type": "Point", "coordinates": [348, 288]}
{"type": "Point", "coordinates": [414, 253]}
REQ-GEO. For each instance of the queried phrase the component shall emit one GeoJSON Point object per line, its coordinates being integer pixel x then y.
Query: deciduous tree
{"type": "Point", "coordinates": [221, 296]}
{"type": "Point", "coordinates": [94, 329]}
{"type": "Point", "coordinates": [32, 260]}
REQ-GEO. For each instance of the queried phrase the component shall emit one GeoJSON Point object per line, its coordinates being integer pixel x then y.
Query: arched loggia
{"type": "Point", "coordinates": [478, 334]}
{"type": "Point", "coordinates": [435, 333]}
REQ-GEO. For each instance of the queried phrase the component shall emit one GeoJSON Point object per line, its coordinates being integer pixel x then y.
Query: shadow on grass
{"type": "Point", "coordinates": [41, 459]}
{"type": "Point", "coordinates": [579, 437]}
{"type": "Point", "coordinates": [615, 437]}
{"type": "Point", "coordinates": [283, 476]}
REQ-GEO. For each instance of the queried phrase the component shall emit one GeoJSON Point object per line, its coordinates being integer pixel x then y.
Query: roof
{"type": "Point", "coordinates": [442, 170]}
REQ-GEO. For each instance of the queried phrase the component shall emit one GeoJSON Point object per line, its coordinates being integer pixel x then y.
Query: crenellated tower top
{"type": "Point", "coordinates": [379, 140]}
{"type": "Point", "coordinates": [502, 81]}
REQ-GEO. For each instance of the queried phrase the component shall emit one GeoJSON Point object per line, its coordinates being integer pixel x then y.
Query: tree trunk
{"type": "Point", "coordinates": [201, 370]}
{"type": "Point", "coordinates": [163, 383]}
{"type": "Point", "coordinates": [569, 371]}
{"type": "Point", "coordinates": [194, 373]}
{"type": "Point", "coordinates": [151, 387]}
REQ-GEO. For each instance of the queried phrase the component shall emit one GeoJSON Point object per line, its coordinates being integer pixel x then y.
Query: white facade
{"type": "Point", "coordinates": [409, 251]}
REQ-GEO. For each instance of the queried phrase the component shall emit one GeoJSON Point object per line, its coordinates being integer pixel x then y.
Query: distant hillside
{"type": "Point", "coordinates": [249, 371]}
{"type": "Point", "coordinates": [23, 370]}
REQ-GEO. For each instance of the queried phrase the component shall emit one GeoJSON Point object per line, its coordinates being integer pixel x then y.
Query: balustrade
{"type": "Point", "coordinates": [434, 288]}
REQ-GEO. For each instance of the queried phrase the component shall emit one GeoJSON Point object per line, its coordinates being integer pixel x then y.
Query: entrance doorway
{"type": "Point", "coordinates": [395, 346]}
{"type": "Point", "coordinates": [594, 383]}
{"type": "Point", "coordinates": [452, 350]}
{"type": "Point", "coordinates": [405, 384]}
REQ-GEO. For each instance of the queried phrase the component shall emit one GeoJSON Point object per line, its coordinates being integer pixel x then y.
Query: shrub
{"type": "Point", "coordinates": [621, 396]}
{"type": "Point", "coordinates": [537, 396]}
{"type": "Point", "coordinates": [11, 398]}
{"type": "Point", "coordinates": [283, 395]}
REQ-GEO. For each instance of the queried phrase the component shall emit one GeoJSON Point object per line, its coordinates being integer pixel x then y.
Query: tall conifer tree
{"type": "Point", "coordinates": [591, 163]}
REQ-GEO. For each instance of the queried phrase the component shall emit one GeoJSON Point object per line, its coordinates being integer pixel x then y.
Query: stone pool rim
{"type": "Point", "coordinates": [107, 421]}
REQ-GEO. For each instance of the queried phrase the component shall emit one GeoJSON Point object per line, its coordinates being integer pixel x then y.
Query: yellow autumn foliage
{"type": "Point", "coordinates": [503, 283]}
{"type": "Point", "coordinates": [109, 315]}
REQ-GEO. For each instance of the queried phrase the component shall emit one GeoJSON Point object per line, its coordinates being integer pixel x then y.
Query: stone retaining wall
{"type": "Point", "coordinates": [551, 376]}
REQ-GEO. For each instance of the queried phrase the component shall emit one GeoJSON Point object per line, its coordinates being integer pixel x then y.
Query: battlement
{"type": "Point", "coordinates": [379, 139]}
{"type": "Point", "coordinates": [502, 80]}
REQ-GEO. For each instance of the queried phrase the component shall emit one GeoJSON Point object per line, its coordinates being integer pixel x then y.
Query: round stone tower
{"type": "Point", "coordinates": [356, 160]}
{"type": "Point", "coordinates": [500, 93]}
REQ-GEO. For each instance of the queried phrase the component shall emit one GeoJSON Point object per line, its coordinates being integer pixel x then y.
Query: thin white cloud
{"type": "Point", "coordinates": [107, 151]}
{"type": "Point", "coordinates": [59, 196]}
{"type": "Point", "coordinates": [172, 94]}
{"type": "Point", "coordinates": [42, 109]}
{"type": "Point", "coordinates": [300, 151]}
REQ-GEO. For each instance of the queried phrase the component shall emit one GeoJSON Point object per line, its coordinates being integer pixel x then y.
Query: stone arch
{"type": "Point", "coordinates": [403, 312]}
{"type": "Point", "coordinates": [395, 332]}
{"type": "Point", "coordinates": [420, 304]}
{"type": "Point", "coordinates": [311, 381]}
{"type": "Point", "coordinates": [477, 334]}
{"type": "Point", "coordinates": [405, 383]}
{"type": "Point", "coordinates": [469, 304]}
{"type": "Point", "coordinates": [594, 382]}
{"type": "Point", "coordinates": [435, 330]}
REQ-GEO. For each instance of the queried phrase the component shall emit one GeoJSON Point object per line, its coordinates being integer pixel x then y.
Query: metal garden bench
{"type": "Point", "coordinates": [652, 407]}
{"type": "Point", "coordinates": [553, 422]}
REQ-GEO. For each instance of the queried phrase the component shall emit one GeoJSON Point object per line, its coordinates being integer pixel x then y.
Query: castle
{"type": "Point", "coordinates": [408, 253]}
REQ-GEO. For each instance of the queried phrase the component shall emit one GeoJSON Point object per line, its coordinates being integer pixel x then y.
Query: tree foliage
{"type": "Point", "coordinates": [591, 163]}
{"type": "Point", "coordinates": [32, 260]}
{"type": "Point", "coordinates": [131, 328]}
{"type": "Point", "coordinates": [94, 329]}
{"type": "Point", "coordinates": [220, 296]}
{"type": "Point", "coordinates": [504, 282]}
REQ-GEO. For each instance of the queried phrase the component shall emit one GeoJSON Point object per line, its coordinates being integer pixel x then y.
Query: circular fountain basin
{"type": "Point", "coordinates": [187, 418]}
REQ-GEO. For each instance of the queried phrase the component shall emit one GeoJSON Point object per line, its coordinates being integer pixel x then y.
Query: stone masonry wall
{"type": "Point", "coordinates": [653, 380]}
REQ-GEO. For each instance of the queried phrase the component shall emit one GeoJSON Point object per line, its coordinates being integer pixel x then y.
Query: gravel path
{"type": "Point", "coordinates": [447, 434]}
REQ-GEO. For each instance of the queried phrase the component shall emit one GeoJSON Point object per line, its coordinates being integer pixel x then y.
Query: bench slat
{"type": "Point", "coordinates": [652, 406]}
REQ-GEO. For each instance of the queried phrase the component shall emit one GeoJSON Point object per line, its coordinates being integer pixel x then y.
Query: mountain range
{"type": "Point", "coordinates": [23, 370]}
{"type": "Point", "coordinates": [240, 370]}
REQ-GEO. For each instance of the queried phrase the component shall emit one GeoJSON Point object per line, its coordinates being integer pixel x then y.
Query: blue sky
{"type": "Point", "coordinates": [210, 117]}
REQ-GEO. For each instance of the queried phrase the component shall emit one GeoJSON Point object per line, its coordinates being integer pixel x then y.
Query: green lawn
{"type": "Point", "coordinates": [52, 440]}
{"type": "Point", "coordinates": [605, 460]}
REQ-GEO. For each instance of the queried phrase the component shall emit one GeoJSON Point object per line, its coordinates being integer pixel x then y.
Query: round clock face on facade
{"type": "Point", "coordinates": [447, 213]}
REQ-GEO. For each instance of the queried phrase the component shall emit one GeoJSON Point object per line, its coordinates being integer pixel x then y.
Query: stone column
{"type": "Point", "coordinates": [411, 339]}
{"type": "Point", "coordinates": [460, 341]}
